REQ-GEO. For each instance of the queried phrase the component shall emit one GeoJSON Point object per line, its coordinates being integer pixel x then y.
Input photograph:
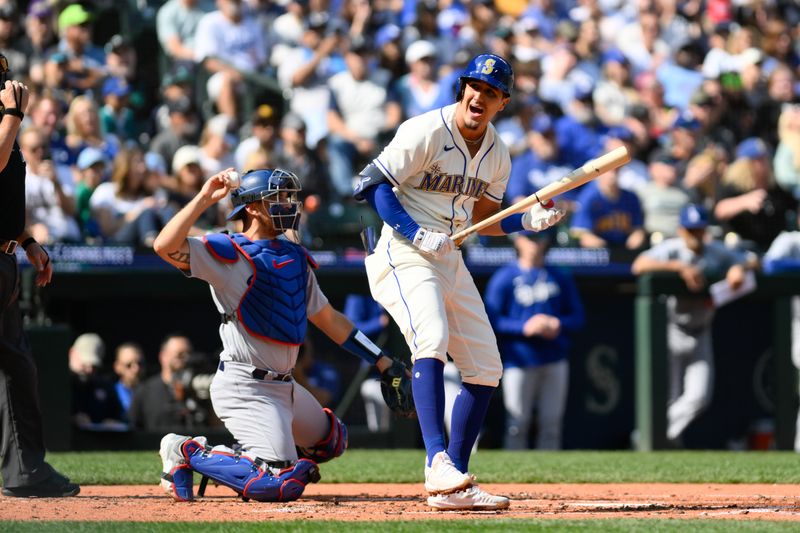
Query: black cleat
{"type": "Point", "coordinates": [56, 486]}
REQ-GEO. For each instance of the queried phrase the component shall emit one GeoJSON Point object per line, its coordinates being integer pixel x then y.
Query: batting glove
{"type": "Point", "coordinates": [433, 243]}
{"type": "Point", "coordinates": [542, 216]}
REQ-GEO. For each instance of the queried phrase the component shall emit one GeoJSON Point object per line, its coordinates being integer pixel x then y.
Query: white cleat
{"type": "Point", "coordinates": [471, 498]}
{"type": "Point", "coordinates": [175, 471]}
{"type": "Point", "coordinates": [443, 476]}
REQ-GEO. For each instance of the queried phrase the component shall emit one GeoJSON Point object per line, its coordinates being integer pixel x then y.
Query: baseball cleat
{"type": "Point", "coordinates": [176, 475]}
{"type": "Point", "coordinates": [471, 498]}
{"type": "Point", "coordinates": [443, 476]}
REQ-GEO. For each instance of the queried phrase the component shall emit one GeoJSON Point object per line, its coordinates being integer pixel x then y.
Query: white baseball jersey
{"type": "Point", "coordinates": [429, 165]}
{"type": "Point", "coordinates": [434, 301]}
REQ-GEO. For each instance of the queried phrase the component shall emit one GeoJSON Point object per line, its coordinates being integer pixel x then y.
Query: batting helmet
{"type": "Point", "coordinates": [278, 188]}
{"type": "Point", "coordinates": [488, 68]}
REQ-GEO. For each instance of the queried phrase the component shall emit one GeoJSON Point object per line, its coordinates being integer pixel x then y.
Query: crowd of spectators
{"type": "Point", "coordinates": [705, 94]}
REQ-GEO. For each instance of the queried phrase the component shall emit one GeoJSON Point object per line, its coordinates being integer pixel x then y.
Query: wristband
{"type": "Point", "coordinates": [27, 242]}
{"type": "Point", "coordinates": [359, 345]}
{"type": "Point", "coordinates": [14, 112]}
{"type": "Point", "coordinates": [512, 223]}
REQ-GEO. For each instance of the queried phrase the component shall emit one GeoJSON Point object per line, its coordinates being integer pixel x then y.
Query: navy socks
{"type": "Point", "coordinates": [428, 387]}
{"type": "Point", "coordinates": [468, 414]}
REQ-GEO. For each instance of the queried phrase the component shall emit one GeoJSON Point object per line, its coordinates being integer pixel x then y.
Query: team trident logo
{"type": "Point", "coordinates": [488, 66]}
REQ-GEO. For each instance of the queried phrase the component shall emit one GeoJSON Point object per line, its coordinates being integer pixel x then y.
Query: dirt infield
{"type": "Point", "coordinates": [375, 502]}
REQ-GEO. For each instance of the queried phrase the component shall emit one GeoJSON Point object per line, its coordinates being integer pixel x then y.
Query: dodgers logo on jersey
{"type": "Point", "coordinates": [488, 66]}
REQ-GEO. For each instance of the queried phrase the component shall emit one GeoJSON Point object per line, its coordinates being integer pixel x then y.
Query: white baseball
{"type": "Point", "coordinates": [233, 179]}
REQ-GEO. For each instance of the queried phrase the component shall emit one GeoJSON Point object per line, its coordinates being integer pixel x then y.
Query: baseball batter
{"type": "Point", "coordinates": [265, 291]}
{"type": "Point", "coordinates": [442, 170]}
{"type": "Point", "coordinates": [691, 358]}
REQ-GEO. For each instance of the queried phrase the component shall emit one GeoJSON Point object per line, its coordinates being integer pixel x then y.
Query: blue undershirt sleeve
{"type": "Point", "coordinates": [383, 200]}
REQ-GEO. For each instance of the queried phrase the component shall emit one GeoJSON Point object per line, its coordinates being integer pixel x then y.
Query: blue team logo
{"type": "Point", "coordinates": [488, 66]}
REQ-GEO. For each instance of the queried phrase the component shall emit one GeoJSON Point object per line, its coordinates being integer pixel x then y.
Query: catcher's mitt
{"type": "Point", "coordinates": [396, 389]}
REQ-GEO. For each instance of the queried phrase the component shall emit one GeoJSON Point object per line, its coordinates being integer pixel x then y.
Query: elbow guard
{"type": "Point", "coordinates": [370, 176]}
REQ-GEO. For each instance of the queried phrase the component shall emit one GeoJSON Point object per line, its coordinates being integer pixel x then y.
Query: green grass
{"type": "Point", "coordinates": [491, 466]}
{"type": "Point", "coordinates": [477, 526]}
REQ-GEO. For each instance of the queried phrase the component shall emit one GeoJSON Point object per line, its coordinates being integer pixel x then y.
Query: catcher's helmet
{"type": "Point", "coordinates": [488, 68]}
{"type": "Point", "coordinates": [278, 188]}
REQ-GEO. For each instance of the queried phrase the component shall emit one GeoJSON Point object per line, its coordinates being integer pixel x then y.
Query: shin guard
{"type": "Point", "coordinates": [250, 477]}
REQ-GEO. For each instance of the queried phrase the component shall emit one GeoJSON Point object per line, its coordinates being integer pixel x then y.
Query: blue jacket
{"type": "Point", "coordinates": [514, 295]}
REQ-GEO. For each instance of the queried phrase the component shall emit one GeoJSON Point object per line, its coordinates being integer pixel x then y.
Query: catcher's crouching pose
{"type": "Point", "coordinates": [265, 291]}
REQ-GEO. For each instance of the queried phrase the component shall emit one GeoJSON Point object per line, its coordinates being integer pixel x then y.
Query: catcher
{"type": "Point", "coordinates": [265, 290]}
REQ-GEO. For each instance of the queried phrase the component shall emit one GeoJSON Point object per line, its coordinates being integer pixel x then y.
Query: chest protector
{"type": "Point", "coordinates": [274, 305]}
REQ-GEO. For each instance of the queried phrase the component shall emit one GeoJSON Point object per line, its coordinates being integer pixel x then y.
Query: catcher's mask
{"type": "Point", "coordinates": [488, 68]}
{"type": "Point", "coordinates": [277, 189]}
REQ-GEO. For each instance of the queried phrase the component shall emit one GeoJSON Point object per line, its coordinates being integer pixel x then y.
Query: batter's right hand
{"type": "Point", "coordinates": [433, 243]}
{"type": "Point", "coordinates": [542, 216]}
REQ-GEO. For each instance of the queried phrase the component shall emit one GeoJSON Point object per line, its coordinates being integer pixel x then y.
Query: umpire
{"type": "Point", "coordinates": [25, 472]}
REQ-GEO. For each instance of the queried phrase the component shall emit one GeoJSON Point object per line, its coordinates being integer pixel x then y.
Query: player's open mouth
{"type": "Point", "coordinates": [476, 111]}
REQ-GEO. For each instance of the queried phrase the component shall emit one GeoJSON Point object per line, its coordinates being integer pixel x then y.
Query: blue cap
{"type": "Point", "coordinates": [694, 216]}
{"type": "Point", "coordinates": [620, 132]}
{"type": "Point", "coordinates": [116, 86]}
{"type": "Point", "coordinates": [155, 162]}
{"type": "Point", "coordinates": [90, 156]}
{"type": "Point", "coordinates": [387, 33]}
{"type": "Point", "coordinates": [541, 123]}
{"type": "Point", "coordinates": [686, 121]}
{"type": "Point", "coordinates": [751, 148]}
{"type": "Point", "coordinates": [614, 55]}
{"type": "Point", "coordinates": [583, 88]}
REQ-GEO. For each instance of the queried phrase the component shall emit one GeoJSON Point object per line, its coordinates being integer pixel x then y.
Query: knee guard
{"type": "Point", "coordinates": [250, 477]}
{"type": "Point", "coordinates": [331, 446]}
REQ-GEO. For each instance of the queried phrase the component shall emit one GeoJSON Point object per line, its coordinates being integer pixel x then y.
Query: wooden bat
{"type": "Point", "coordinates": [589, 171]}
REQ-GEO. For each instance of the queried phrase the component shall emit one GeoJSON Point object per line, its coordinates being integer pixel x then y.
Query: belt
{"type": "Point", "coordinates": [261, 374]}
{"type": "Point", "coordinates": [8, 247]}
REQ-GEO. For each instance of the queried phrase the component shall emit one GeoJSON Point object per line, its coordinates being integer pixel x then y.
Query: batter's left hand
{"type": "Point", "coordinates": [41, 262]}
{"type": "Point", "coordinates": [433, 243]}
{"type": "Point", "coordinates": [542, 216]}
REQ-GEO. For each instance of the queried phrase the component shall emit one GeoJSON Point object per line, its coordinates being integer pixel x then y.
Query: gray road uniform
{"type": "Point", "coordinates": [784, 256]}
{"type": "Point", "coordinates": [689, 319]}
{"type": "Point", "coordinates": [267, 416]}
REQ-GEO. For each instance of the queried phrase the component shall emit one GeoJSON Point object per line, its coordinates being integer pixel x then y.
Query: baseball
{"type": "Point", "coordinates": [233, 179]}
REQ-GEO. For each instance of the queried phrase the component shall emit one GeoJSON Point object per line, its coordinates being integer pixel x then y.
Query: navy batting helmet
{"type": "Point", "coordinates": [488, 68]}
{"type": "Point", "coordinates": [278, 188]}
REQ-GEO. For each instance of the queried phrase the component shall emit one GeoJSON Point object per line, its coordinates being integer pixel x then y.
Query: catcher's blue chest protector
{"type": "Point", "coordinates": [274, 305]}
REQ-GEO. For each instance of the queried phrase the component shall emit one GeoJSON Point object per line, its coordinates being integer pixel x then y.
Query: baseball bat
{"type": "Point", "coordinates": [590, 170]}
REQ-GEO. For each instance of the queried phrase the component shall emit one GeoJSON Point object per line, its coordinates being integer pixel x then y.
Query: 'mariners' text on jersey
{"type": "Point", "coordinates": [452, 184]}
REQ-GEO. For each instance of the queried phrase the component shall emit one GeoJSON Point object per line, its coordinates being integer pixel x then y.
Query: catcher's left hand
{"type": "Point", "coordinates": [396, 390]}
